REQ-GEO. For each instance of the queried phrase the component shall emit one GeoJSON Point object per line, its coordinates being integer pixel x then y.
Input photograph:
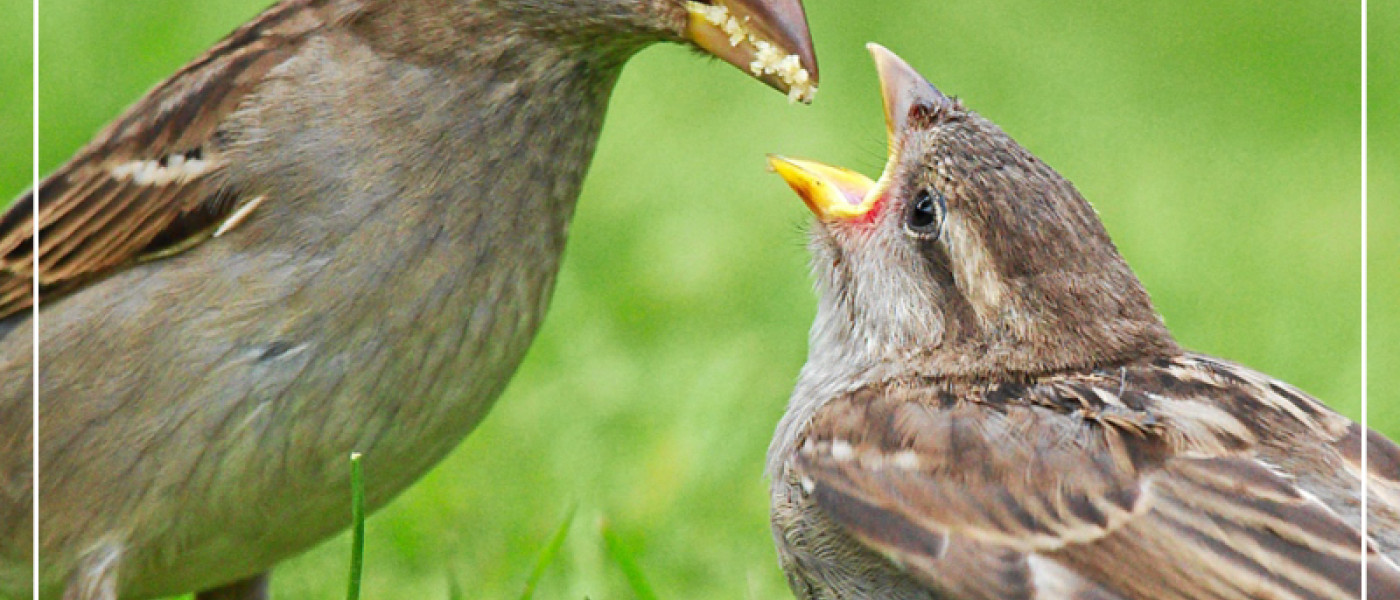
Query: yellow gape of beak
{"type": "Point", "coordinates": [833, 193]}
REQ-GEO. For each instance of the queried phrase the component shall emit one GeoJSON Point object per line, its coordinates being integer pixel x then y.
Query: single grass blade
{"type": "Point", "coordinates": [357, 516]}
{"type": "Point", "coordinates": [550, 552]}
{"type": "Point", "coordinates": [622, 555]}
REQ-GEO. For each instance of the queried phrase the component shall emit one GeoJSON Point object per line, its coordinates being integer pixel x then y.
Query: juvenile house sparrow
{"type": "Point", "coordinates": [992, 409]}
{"type": "Point", "coordinates": [337, 230]}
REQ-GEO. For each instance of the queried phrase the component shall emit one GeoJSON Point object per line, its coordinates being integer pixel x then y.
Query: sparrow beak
{"type": "Point", "coordinates": [902, 88]}
{"type": "Point", "coordinates": [833, 193]}
{"type": "Point", "coordinates": [766, 38]}
{"type": "Point", "coordinates": [837, 194]}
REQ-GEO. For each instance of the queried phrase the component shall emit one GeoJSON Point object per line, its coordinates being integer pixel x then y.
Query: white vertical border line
{"type": "Point", "coordinates": [34, 290]}
{"type": "Point", "coordinates": [1365, 420]}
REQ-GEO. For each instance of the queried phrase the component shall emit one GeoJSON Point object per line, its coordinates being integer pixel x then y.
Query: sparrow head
{"type": "Point", "coordinates": [969, 257]}
{"type": "Point", "coordinates": [768, 39]}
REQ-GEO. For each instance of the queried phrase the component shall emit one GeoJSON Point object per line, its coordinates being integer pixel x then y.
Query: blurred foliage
{"type": "Point", "coordinates": [1218, 140]}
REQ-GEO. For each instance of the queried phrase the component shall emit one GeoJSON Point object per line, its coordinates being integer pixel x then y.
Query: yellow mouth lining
{"type": "Point", "coordinates": [769, 59]}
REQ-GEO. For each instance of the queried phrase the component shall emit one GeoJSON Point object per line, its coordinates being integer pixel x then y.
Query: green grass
{"type": "Point", "coordinates": [550, 552]}
{"type": "Point", "coordinates": [622, 555]}
{"type": "Point", "coordinates": [1218, 140]}
{"type": "Point", "coordinates": [357, 527]}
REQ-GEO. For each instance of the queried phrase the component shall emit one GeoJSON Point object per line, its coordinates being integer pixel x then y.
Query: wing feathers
{"type": "Point", "coordinates": [1127, 506]}
{"type": "Point", "coordinates": [146, 183]}
{"type": "Point", "coordinates": [884, 530]}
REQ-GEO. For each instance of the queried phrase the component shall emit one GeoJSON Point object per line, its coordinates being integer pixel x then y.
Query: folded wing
{"type": "Point", "coordinates": [149, 185]}
{"type": "Point", "coordinates": [1062, 490]}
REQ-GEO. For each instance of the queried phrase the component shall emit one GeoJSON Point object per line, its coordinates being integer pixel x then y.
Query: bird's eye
{"type": "Point", "coordinates": [926, 214]}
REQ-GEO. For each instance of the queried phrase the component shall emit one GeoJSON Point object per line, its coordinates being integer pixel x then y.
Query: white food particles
{"type": "Point", "coordinates": [768, 58]}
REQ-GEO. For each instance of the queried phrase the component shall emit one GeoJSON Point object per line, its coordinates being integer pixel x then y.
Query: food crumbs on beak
{"type": "Point", "coordinates": [768, 58]}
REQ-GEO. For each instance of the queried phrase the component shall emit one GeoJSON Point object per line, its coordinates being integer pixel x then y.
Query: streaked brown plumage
{"type": "Point", "coordinates": [992, 409]}
{"type": "Point", "coordinates": [336, 231]}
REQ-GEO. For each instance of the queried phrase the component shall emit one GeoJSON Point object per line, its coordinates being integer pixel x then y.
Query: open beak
{"type": "Point", "coordinates": [837, 194]}
{"type": "Point", "coordinates": [902, 88]}
{"type": "Point", "coordinates": [766, 38]}
{"type": "Point", "coordinates": [833, 193]}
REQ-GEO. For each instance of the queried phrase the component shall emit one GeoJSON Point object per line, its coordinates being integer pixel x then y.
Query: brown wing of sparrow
{"type": "Point", "coordinates": [149, 184]}
{"type": "Point", "coordinates": [1086, 485]}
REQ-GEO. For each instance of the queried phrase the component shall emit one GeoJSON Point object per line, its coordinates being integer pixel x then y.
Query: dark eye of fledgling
{"type": "Point", "coordinates": [926, 214]}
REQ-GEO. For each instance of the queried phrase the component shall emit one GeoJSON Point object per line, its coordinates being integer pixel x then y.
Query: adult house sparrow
{"type": "Point", "coordinates": [992, 409]}
{"type": "Point", "coordinates": [336, 231]}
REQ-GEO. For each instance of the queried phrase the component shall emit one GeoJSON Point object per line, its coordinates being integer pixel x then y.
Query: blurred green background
{"type": "Point", "coordinates": [1218, 140]}
{"type": "Point", "coordinates": [1383, 233]}
{"type": "Point", "coordinates": [16, 98]}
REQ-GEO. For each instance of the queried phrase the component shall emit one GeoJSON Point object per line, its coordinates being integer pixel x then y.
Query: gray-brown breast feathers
{"type": "Point", "coordinates": [1113, 483]}
{"type": "Point", "coordinates": [149, 183]}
